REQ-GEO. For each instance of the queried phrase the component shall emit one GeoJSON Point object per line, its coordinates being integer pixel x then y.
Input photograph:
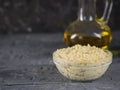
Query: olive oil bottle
{"type": "Point", "coordinates": [88, 28]}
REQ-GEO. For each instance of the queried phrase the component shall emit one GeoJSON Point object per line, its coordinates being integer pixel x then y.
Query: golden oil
{"type": "Point", "coordinates": [96, 33]}
{"type": "Point", "coordinates": [88, 28]}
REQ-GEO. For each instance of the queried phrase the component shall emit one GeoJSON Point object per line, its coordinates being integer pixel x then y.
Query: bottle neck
{"type": "Point", "coordinates": [87, 10]}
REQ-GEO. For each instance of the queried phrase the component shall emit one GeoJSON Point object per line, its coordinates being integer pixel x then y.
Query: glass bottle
{"type": "Point", "coordinates": [88, 28]}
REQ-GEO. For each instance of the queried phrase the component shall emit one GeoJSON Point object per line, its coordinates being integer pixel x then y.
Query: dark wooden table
{"type": "Point", "coordinates": [26, 64]}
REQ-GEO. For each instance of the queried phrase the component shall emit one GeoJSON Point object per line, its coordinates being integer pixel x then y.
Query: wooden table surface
{"type": "Point", "coordinates": [26, 64]}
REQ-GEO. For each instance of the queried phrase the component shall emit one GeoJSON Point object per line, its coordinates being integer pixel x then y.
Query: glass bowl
{"type": "Point", "coordinates": [86, 72]}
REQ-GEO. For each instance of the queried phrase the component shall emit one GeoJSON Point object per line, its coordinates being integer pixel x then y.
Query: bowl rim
{"type": "Point", "coordinates": [79, 66]}
{"type": "Point", "coordinates": [64, 63]}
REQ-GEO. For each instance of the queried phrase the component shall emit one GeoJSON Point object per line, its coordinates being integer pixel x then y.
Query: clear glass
{"type": "Point", "coordinates": [85, 72]}
{"type": "Point", "coordinates": [88, 28]}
